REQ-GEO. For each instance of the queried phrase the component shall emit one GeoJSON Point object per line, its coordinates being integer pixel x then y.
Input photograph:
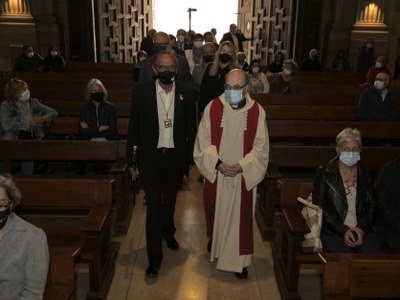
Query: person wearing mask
{"type": "Point", "coordinates": [23, 117]}
{"type": "Point", "coordinates": [340, 63]}
{"type": "Point", "coordinates": [181, 39]}
{"type": "Point", "coordinates": [161, 43]}
{"type": "Point", "coordinates": [24, 251]}
{"type": "Point", "coordinates": [214, 33]}
{"type": "Point", "coordinates": [231, 152]}
{"type": "Point", "coordinates": [311, 63]}
{"type": "Point", "coordinates": [97, 122]}
{"type": "Point", "coordinates": [209, 38]}
{"type": "Point", "coordinates": [53, 62]}
{"type": "Point", "coordinates": [147, 42]}
{"type": "Point", "coordinates": [208, 53]}
{"type": "Point", "coordinates": [378, 102]}
{"type": "Point", "coordinates": [29, 61]}
{"type": "Point", "coordinates": [174, 46]}
{"type": "Point", "coordinates": [379, 67]}
{"type": "Point", "coordinates": [242, 63]}
{"type": "Point", "coordinates": [276, 66]}
{"type": "Point", "coordinates": [366, 57]}
{"type": "Point", "coordinates": [235, 37]}
{"type": "Point", "coordinates": [140, 57]}
{"type": "Point", "coordinates": [194, 55]}
{"type": "Point", "coordinates": [213, 81]}
{"type": "Point", "coordinates": [258, 82]}
{"type": "Point", "coordinates": [287, 82]}
{"type": "Point", "coordinates": [344, 189]}
{"type": "Point", "coordinates": [162, 126]}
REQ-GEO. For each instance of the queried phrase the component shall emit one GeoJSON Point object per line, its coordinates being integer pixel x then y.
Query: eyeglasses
{"type": "Point", "coordinates": [235, 87]}
{"type": "Point", "coordinates": [166, 68]}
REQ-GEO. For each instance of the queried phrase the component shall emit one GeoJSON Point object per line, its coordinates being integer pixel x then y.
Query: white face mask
{"type": "Point", "coordinates": [286, 71]}
{"type": "Point", "coordinates": [233, 96]}
{"type": "Point", "coordinates": [349, 158]}
{"type": "Point", "coordinates": [379, 85]}
{"type": "Point", "coordinates": [25, 96]}
{"type": "Point", "coordinates": [255, 70]}
{"type": "Point", "coordinates": [378, 65]}
{"type": "Point", "coordinates": [180, 38]}
{"type": "Point", "coordinates": [198, 44]}
{"type": "Point", "coordinates": [53, 53]}
{"type": "Point", "coordinates": [142, 59]}
{"type": "Point", "coordinates": [30, 54]}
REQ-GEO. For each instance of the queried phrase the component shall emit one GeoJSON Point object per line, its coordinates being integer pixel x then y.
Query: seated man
{"type": "Point", "coordinates": [378, 103]}
{"type": "Point", "coordinates": [388, 191]}
{"type": "Point", "coordinates": [28, 61]}
{"type": "Point", "coordinates": [345, 191]}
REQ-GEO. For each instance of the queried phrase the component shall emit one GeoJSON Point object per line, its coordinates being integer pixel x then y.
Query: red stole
{"type": "Point", "coordinates": [246, 243]}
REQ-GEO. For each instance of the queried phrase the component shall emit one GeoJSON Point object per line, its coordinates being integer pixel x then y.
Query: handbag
{"type": "Point", "coordinates": [313, 216]}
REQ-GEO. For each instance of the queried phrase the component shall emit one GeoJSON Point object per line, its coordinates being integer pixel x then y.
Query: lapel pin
{"type": "Point", "coordinates": [181, 97]}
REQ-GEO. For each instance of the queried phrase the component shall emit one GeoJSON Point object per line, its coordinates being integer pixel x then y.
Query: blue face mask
{"type": "Point", "coordinates": [349, 158]}
{"type": "Point", "coordinates": [233, 96]}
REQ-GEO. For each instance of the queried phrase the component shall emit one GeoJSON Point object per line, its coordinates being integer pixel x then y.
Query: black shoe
{"type": "Point", "coordinates": [172, 243]}
{"type": "Point", "coordinates": [152, 271]}
{"type": "Point", "coordinates": [242, 275]}
{"type": "Point", "coordinates": [209, 245]}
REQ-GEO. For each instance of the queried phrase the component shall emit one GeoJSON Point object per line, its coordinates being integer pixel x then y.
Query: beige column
{"type": "Point", "coordinates": [15, 11]}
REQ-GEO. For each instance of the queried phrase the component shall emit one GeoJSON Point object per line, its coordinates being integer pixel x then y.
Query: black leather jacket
{"type": "Point", "coordinates": [329, 193]}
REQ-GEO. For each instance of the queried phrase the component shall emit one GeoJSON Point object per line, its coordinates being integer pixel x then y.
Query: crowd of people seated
{"type": "Point", "coordinates": [31, 61]}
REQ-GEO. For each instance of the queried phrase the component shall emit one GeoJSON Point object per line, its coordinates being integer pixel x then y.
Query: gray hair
{"type": "Point", "coordinates": [99, 83]}
{"type": "Point", "coordinates": [347, 135]}
{"type": "Point", "coordinates": [12, 192]}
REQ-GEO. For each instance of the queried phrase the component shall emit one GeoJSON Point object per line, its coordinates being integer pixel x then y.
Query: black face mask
{"type": "Point", "coordinates": [225, 58]}
{"type": "Point", "coordinates": [4, 216]}
{"type": "Point", "coordinates": [166, 77]}
{"type": "Point", "coordinates": [208, 58]}
{"type": "Point", "coordinates": [97, 97]}
{"type": "Point", "coordinates": [158, 48]}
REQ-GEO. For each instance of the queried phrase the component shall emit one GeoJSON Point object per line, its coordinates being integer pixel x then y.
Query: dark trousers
{"type": "Point", "coordinates": [160, 183]}
{"type": "Point", "coordinates": [336, 244]}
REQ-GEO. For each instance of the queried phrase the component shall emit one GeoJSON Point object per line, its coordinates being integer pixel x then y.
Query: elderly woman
{"type": "Point", "coordinates": [23, 117]}
{"type": "Point", "coordinates": [287, 81]}
{"type": "Point", "coordinates": [98, 120]}
{"type": "Point", "coordinates": [212, 85]}
{"type": "Point", "coordinates": [258, 82]}
{"type": "Point", "coordinates": [24, 253]}
{"type": "Point", "coordinates": [345, 191]}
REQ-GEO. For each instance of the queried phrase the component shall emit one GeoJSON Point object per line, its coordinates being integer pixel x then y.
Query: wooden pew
{"type": "Point", "coordinates": [91, 197]}
{"type": "Point", "coordinates": [349, 276]}
{"type": "Point", "coordinates": [301, 161]}
{"type": "Point", "coordinates": [56, 150]}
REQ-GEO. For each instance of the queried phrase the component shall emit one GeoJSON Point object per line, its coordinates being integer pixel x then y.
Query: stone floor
{"type": "Point", "coordinates": [187, 274]}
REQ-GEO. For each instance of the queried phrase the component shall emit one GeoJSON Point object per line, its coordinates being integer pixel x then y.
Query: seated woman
{"type": "Point", "coordinates": [24, 252]}
{"type": "Point", "coordinates": [345, 191]}
{"type": "Point", "coordinates": [53, 62]}
{"type": "Point", "coordinates": [276, 66]}
{"type": "Point", "coordinates": [23, 117]}
{"type": "Point", "coordinates": [98, 121]}
{"type": "Point", "coordinates": [258, 82]}
{"type": "Point", "coordinates": [287, 82]}
{"type": "Point", "coordinates": [379, 67]}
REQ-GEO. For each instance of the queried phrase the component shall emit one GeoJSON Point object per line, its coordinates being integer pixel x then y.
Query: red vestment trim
{"type": "Point", "coordinates": [210, 189]}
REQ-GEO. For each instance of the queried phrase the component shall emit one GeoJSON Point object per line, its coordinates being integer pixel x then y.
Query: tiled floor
{"type": "Point", "coordinates": [187, 274]}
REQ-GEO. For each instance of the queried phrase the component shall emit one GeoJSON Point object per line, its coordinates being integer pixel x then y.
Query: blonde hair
{"type": "Point", "coordinates": [232, 64]}
{"type": "Point", "coordinates": [293, 63]}
{"type": "Point", "coordinates": [14, 88]}
{"type": "Point", "coordinates": [99, 83]}
{"type": "Point", "coordinates": [12, 192]}
{"type": "Point", "coordinates": [347, 135]}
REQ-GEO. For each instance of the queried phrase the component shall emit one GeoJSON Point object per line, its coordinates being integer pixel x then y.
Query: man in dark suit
{"type": "Point", "coordinates": [162, 42]}
{"type": "Point", "coordinates": [147, 42]}
{"type": "Point", "coordinates": [163, 127]}
{"type": "Point", "coordinates": [235, 36]}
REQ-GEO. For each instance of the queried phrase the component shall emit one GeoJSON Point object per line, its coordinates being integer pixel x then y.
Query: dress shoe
{"type": "Point", "coordinates": [172, 244]}
{"type": "Point", "coordinates": [152, 271]}
{"type": "Point", "coordinates": [209, 245]}
{"type": "Point", "coordinates": [242, 275]}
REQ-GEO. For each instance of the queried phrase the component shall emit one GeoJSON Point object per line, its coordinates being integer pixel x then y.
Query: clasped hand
{"type": "Point", "coordinates": [354, 237]}
{"type": "Point", "coordinates": [230, 170]}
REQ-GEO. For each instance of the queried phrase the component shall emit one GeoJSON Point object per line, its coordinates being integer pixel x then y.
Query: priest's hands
{"type": "Point", "coordinates": [230, 170]}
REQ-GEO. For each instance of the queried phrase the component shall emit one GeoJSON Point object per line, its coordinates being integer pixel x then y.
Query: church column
{"type": "Point", "coordinates": [16, 29]}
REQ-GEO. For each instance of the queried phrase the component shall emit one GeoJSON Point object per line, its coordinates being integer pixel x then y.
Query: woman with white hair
{"type": "Point", "coordinates": [24, 253]}
{"type": "Point", "coordinates": [98, 121]}
{"type": "Point", "coordinates": [345, 191]}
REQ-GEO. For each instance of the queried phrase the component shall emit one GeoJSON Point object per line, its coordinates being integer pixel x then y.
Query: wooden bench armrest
{"type": "Point", "coordinates": [273, 172]}
{"type": "Point", "coordinates": [295, 221]}
{"type": "Point", "coordinates": [119, 166]}
{"type": "Point", "coordinates": [96, 218]}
